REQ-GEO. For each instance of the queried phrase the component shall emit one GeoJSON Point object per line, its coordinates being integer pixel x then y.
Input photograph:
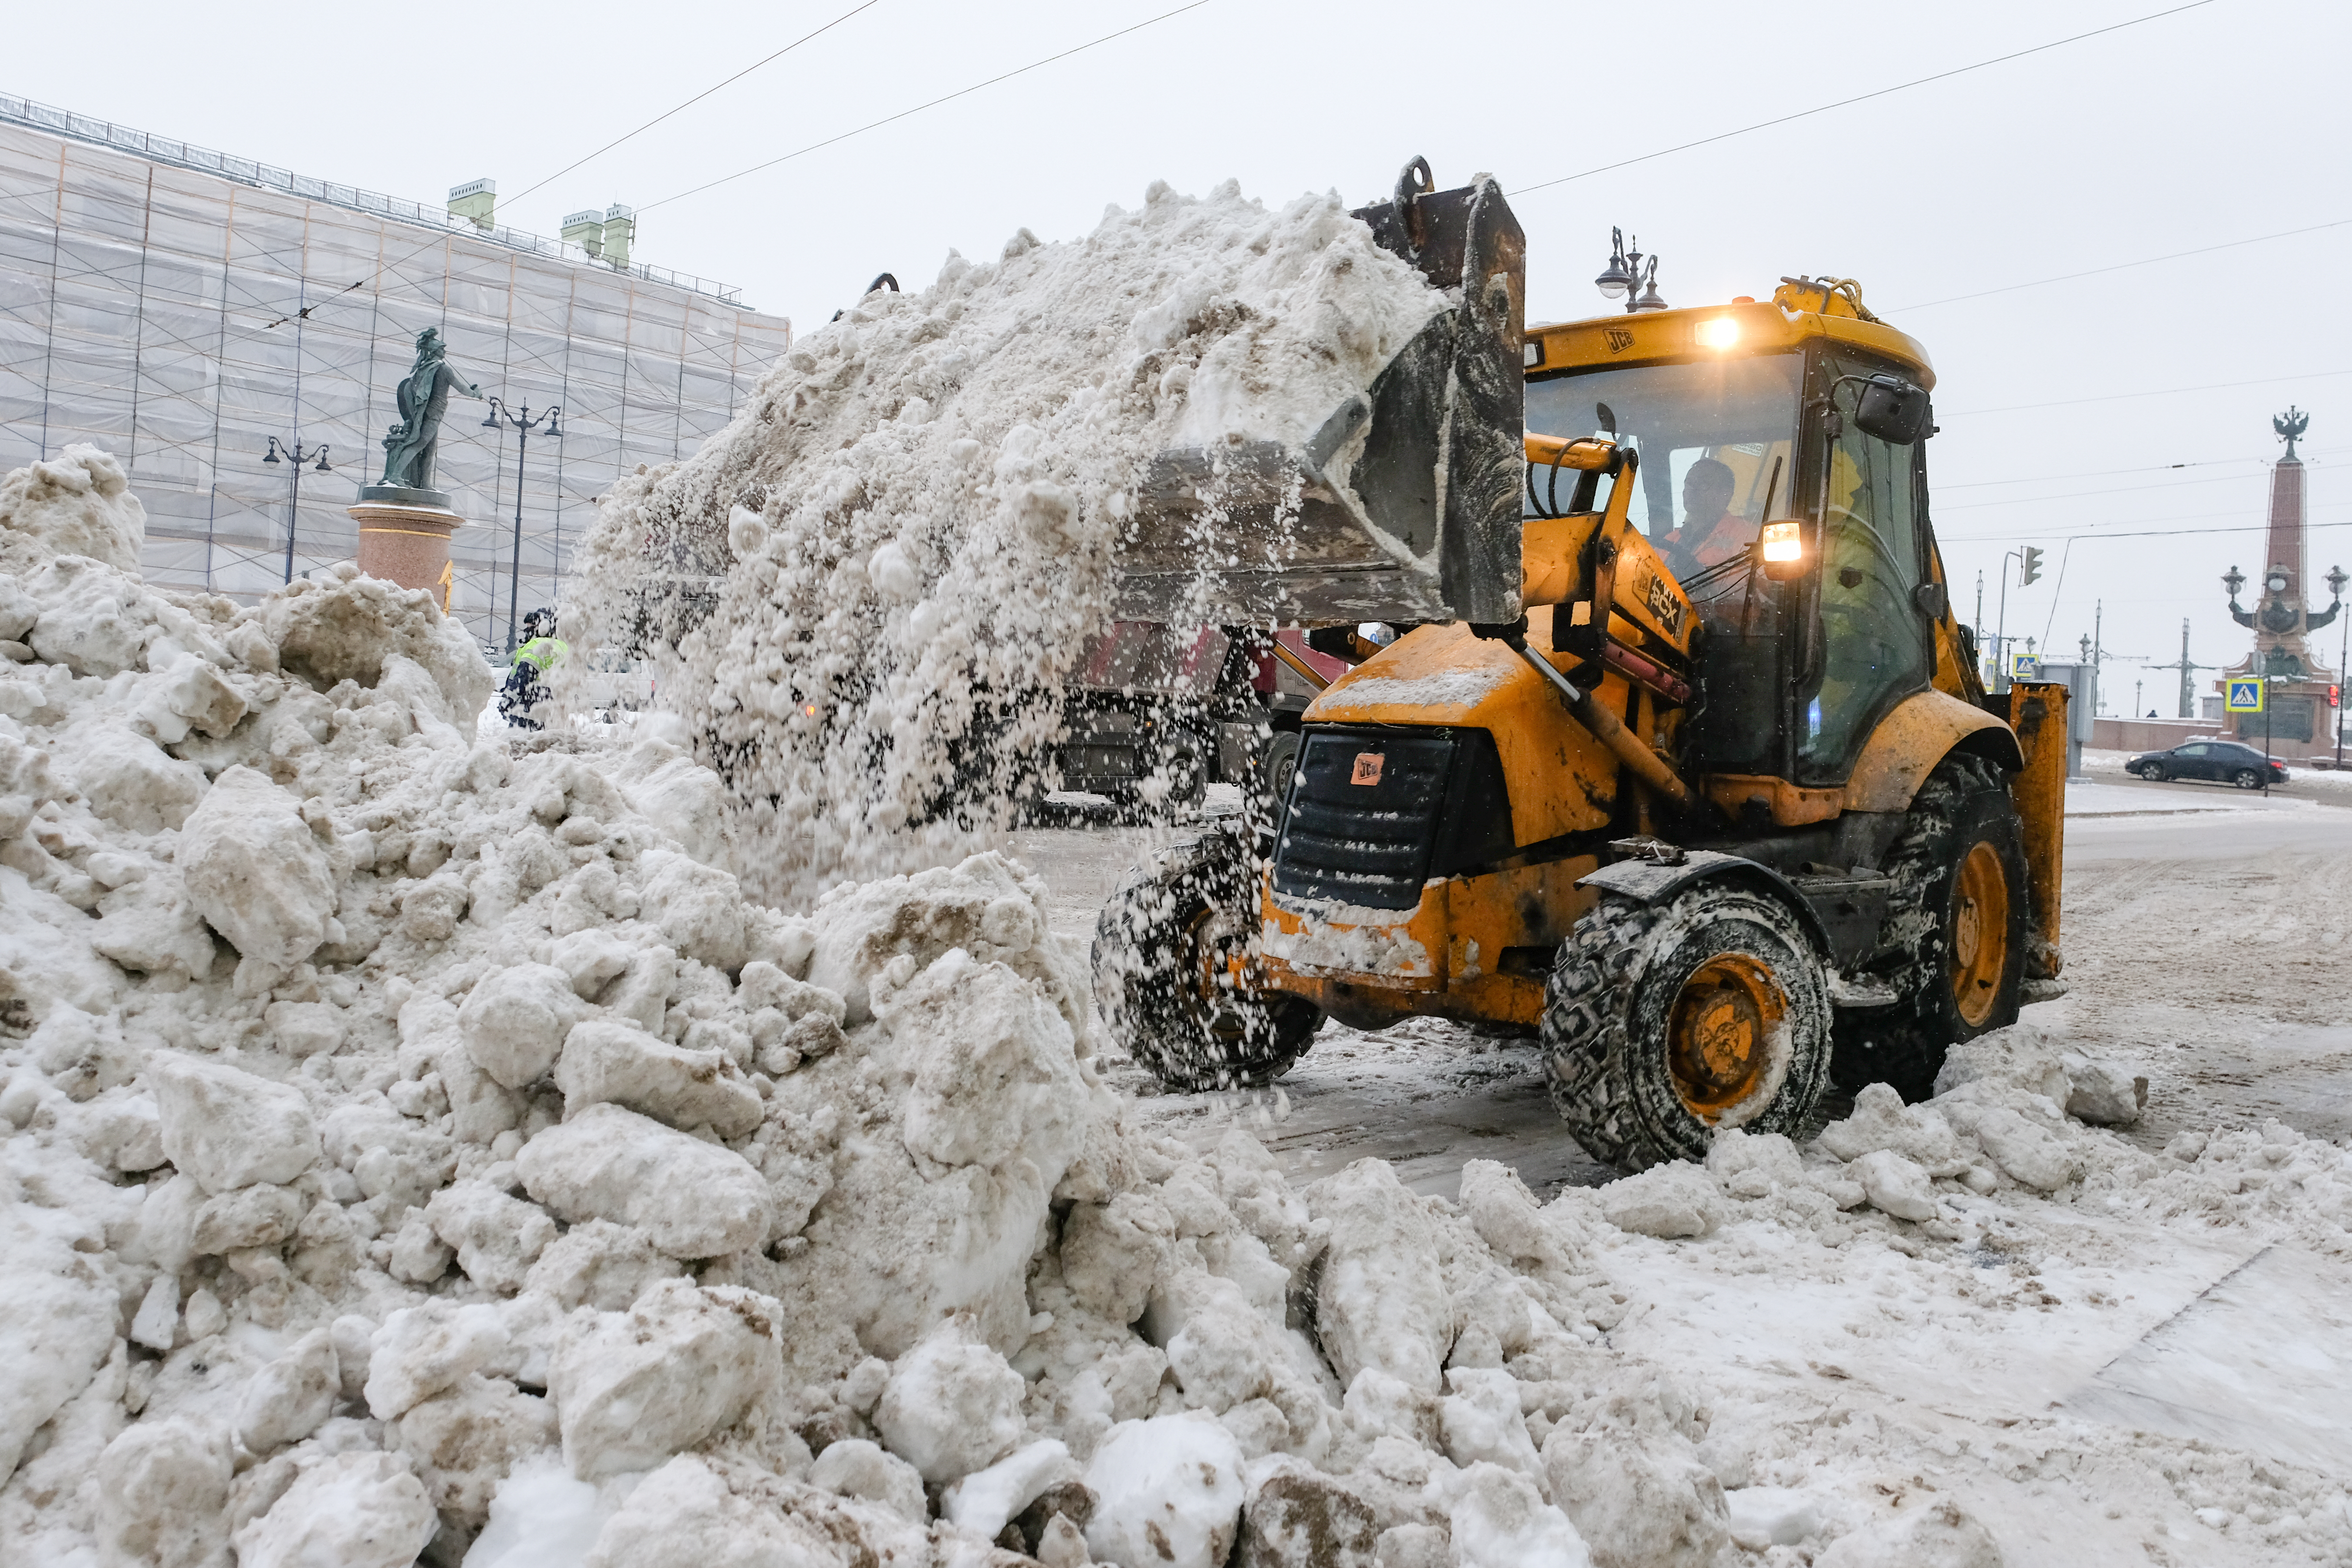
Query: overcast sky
{"type": "Point", "coordinates": [2217, 124]}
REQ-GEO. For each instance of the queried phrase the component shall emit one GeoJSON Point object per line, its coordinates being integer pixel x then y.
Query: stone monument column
{"type": "Point", "coordinates": [2283, 618]}
{"type": "Point", "coordinates": [404, 522]}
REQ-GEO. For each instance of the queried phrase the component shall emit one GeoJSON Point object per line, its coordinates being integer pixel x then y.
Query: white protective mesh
{"type": "Point", "coordinates": [154, 310]}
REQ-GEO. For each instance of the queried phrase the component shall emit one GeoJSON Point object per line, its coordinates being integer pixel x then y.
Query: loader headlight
{"type": "Point", "coordinates": [1783, 549]}
{"type": "Point", "coordinates": [1718, 333]}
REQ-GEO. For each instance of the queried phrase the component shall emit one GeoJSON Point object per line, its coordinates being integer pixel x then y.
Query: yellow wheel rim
{"type": "Point", "coordinates": [1718, 1039]}
{"type": "Point", "coordinates": [1210, 983]}
{"type": "Point", "coordinates": [1980, 934]}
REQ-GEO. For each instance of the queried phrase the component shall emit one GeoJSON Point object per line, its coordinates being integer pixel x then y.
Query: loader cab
{"type": "Point", "coordinates": [1796, 673]}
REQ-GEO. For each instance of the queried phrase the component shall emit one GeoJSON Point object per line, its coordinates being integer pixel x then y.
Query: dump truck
{"type": "Point", "coordinates": [1681, 762]}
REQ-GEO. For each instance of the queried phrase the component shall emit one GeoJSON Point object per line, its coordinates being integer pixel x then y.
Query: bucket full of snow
{"type": "Point", "coordinates": [1402, 501]}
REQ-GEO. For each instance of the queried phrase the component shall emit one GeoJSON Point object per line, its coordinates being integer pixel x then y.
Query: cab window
{"type": "Point", "coordinates": [1873, 646]}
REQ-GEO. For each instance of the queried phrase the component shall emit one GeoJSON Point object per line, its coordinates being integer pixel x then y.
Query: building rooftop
{"type": "Point", "coordinates": [247, 170]}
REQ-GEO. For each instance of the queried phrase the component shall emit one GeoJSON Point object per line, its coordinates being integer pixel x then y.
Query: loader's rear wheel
{"type": "Point", "coordinates": [1959, 918]}
{"type": "Point", "coordinates": [1665, 1022]}
{"type": "Point", "coordinates": [1163, 981]}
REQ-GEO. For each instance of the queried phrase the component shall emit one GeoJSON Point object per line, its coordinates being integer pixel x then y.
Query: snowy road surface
{"type": "Point", "coordinates": [2027, 1360]}
{"type": "Point", "coordinates": [2204, 944]}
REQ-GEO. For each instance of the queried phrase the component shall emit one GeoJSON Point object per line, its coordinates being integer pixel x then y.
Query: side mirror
{"type": "Point", "coordinates": [1932, 600]}
{"type": "Point", "coordinates": [1892, 409]}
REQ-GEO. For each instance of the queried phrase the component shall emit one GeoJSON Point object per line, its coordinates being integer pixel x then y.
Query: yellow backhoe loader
{"type": "Point", "coordinates": [1681, 761]}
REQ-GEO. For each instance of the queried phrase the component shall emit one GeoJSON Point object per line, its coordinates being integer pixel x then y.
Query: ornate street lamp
{"type": "Point", "coordinates": [294, 453]}
{"type": "Point", "coordinates": [523, 425]}
{"type": "Point", "coordinates": [1626, 272]}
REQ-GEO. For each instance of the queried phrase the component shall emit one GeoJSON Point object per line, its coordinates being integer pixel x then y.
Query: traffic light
{"type": "Point", "coordinates": [2336, 697]}
{"type": "Point", "coordinates": [2031, 567]}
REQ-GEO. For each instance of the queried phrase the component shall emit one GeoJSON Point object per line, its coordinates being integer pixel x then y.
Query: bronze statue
{"type": "Point", "coordinates": [422, 397]}
{"type": "Point", "coordinates": [2290, 426]}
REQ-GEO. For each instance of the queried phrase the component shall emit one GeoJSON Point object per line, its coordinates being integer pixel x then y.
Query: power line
{"type": "Point", "coordinates": [2158, 392]}
{"type": "Point", "coordinates": [698, 98]}
{"type": "Point", "coordinates": [2122, 266]}
{"type": "Point", "coordinates": [2091, 474]}
{"type": "Point", "coordinates": [934, 103]}
{"type": "Point", "coordinates": [1861, 98]}
{"type": "Point", "coordinates": [1941, 487]}
{"type": "Point", "coordinates": [2095, 532]}
{"type": "Point", "coordinates": [2113, 490]}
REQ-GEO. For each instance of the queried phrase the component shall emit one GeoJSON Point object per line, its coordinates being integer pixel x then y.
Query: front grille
{"type": "Point", "coordinates": [1364, 843]}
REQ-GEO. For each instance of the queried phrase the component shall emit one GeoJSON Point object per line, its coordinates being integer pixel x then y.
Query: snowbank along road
{"type": "Point", "coordinates": [418, 1146]}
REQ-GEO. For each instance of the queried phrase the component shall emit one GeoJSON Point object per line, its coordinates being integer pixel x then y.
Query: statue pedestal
{"type": "Point", "coordinates": [406, 541]}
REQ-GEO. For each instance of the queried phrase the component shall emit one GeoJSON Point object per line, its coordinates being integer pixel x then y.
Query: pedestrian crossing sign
{"type": "Point", "coordinates": [2243, 696]}
{"type": "Point", "coordinates": [2025, 666]}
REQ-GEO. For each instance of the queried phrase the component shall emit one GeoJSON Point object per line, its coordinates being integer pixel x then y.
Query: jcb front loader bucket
{"type": "Point", "coordinates": [1405, 504]}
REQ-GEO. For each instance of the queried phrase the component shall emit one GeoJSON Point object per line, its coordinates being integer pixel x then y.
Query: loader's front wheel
{"type": "Point", "coordinates": [1664, 1023]}
{"type": "Point", "coordinates": [1164, 981]}
{"type": "Point", "coordinates": [1959, 918]}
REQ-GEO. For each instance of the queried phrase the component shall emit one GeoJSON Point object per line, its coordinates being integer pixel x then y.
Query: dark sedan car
{"type": "Point", "coordinates": [2216, 761]}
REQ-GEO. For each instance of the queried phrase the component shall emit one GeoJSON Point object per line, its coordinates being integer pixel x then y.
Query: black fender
{"type": "Point", "coordinates": [1652, 881]}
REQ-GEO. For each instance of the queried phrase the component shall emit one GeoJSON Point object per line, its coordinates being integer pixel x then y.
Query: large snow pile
{"type": "Point", "coordinates": [909, 532]}
{"type": "Point", "coordinates": [408, 1141]}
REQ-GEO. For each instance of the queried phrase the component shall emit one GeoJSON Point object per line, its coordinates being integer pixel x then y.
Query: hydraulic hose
{"type": "Point", "coordinates": [1604, 726]}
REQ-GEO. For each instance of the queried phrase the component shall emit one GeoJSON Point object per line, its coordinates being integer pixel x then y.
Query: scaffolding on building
{"type": "Point", "coordinates": [180, 315]}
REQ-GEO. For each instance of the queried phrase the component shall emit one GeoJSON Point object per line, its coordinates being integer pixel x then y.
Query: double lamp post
{"type": "Point", "coordinates": [523, 424]}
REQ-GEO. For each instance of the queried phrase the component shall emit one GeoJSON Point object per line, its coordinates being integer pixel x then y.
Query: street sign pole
{"type": "Point", "coordinates": [2266, 737]}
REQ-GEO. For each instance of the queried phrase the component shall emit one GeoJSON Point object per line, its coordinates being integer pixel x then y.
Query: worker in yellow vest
{"type": "Point", "coordinates": [525, 697]}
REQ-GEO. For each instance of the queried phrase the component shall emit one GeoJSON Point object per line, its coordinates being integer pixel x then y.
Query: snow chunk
{"type": "Point", "coordinates": [1112, 1253]}
{"type": "Point", "coordinates": [229, 1129]}
{"type": "Point", "coordinates": [163, 1488]}
{"type": "Point", "coordinates": [856, 1468]}
{"type": "Point", "coordinates": [254, 872]}
{"type": "Point", "coordinates": [420, 1351]}
{"type": "Point", "coordinates": [691, 1199]}
{"type": "Point", "coordinates": [514, 1022]}
{"type": "Point", "coordinates": [985, 1501]}
{"type": "Point", "coordinates": [997, 1078]}
{"type": "Point", "coordinates": [2101, 1093]}
{"type": "Point", "coordinates": [1382, 1300]}
{"type": "Point", "coordinates": [697, 1512]}
{"type": "Point", "coordinates": [540, 1518]}
{"type": "Point", "coordinates": [606, 1060]}
{"type": "Point", "coordinates": [355, 630]}
{"type": "Point", "coordinates": [951, 1407]}
{"type": "Point", "coordinates": [1896, 1186]}
{"type": "Point", "coordinates": [466, 1440]}
{"type": "Point", "coordinates": [354, 1510]}
{"type": "Point", "coordinates": [682, 1363]}
{"type": "Point", "coordinates": [2026, 1153]}
{"type": "Point", "coordinates": [292, 1396]}
{"type": "Point", "coordinates": [600, 1265]}
{"type": "Point", "coordinates": [77, 503]}
{"type": "Point", "coordinates": [1761, 1517]}
{"type": "Point", "coordinates": [130, 782]}
{"type": "Point", "coordinates": [1481, 1421]}
{"type": "Point", "coordinates": [1672, 1200]}
{"type": "Point", "coordinates": [497, 1237]}
{"type": "Point", "coordinates": [1500, 1520]}
{"type": "Point", "coordinates": [1881, 1120]}
{"type": "Point", "coordinates": [1168, 1490]}
{"type": "Point", "coordinates": [1639, 1499]}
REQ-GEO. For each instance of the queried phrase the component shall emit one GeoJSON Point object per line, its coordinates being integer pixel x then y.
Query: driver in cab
{"type": "Point", "coordinates": [1711, 533]}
